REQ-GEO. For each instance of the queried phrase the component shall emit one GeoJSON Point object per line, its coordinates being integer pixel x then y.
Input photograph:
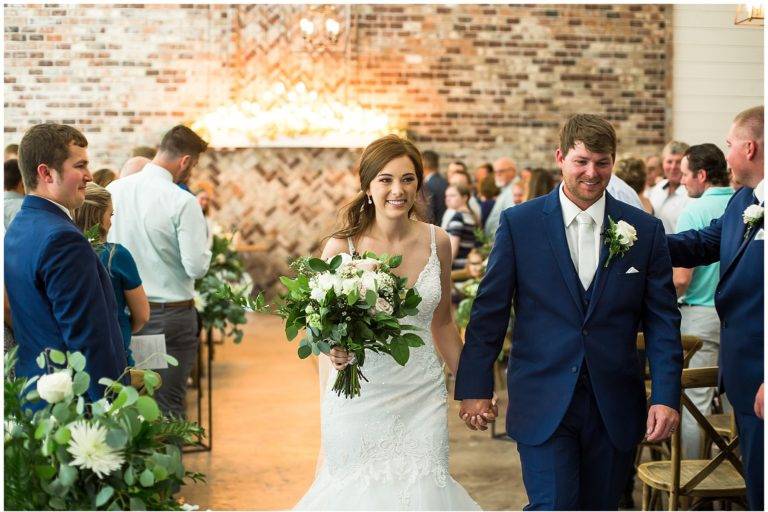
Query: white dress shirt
{"type": "Point", "coordinates": [760, 192]}
{"type": "Point", "coordinates": [619, 189]}
{"type": "Point", "coordinates": [61, 206]}
{"type": "Point", "coordinates": [163, 228]}
{"type": "Point", "coordinates": [570, 212]}
{"type": "Point", "coordinates": [668, 207]}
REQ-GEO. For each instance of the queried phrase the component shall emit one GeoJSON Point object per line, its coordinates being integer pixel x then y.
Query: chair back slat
{"type": "Point", "coordinates": [725, 447]}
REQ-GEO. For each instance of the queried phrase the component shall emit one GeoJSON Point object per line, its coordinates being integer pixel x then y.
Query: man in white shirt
{"type": "Point", "coordinates": [619, 189]}
{"type": "Point", "coordinates": [164, 229]}
{"type": "Point", "coordinates": [668, 197]}
{"type": "Point", "coordinates": [504, 172]}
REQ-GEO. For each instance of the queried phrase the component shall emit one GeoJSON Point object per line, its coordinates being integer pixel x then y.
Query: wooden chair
{"type": "Point", "coordinates": [718, 478]}
{"type": "Point", "coordinates": [724, 424]}
{"type": "Point", "coordinates": [660, 449]}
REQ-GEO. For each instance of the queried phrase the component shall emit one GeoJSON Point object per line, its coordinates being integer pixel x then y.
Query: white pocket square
{"type": "Point", "coordinates": [760, 235]}
{"type": "Point", "coordinates": [632, 270]}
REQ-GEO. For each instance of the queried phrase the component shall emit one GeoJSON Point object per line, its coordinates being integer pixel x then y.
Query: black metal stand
{"type": "Point", "coordinates": [200, 445]}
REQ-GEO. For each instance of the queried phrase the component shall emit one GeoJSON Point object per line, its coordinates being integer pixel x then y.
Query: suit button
{"type": "Point", "coordinates": [584, 332]}
{"type": "Point", "coordinates": [725, 324]}
{"type": "Point", "coordinates": [574, 369]}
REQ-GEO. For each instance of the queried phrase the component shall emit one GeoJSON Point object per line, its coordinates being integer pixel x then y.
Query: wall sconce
{"type": "Point", "coordinates": [750, 14]}
{"type": "Point", "coordinates": [323, 27]}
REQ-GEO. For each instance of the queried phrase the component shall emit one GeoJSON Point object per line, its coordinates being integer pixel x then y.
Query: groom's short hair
{"type": "Point", "coordinates": [597, 134]}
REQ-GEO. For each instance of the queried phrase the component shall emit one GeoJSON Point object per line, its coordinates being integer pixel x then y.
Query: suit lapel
{"type": "Point", "coordinates": [553, 219]}
{"type": "Point", "coordinates": [612, 210]}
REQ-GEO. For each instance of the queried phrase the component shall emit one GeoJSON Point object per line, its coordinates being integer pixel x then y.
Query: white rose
{"type": "Point", "coordinates": [317, 294]}
{"type": "Point", "coordinates": [627, 233]}
{"type": "Point", "coordinates": [367, 282]}
{"type": "Point", "coordinates": [345, 258]}
{"type": "Point", "coordinates": [753, 213]}
{"type": "Point", "coordinates": [55, 387]}
{"type": "Point", "coordinates": [348, 286]}
{"type": "Point", "coordinates": [221, 259]}
{"type": "Point", "coordinates": [383, 306]}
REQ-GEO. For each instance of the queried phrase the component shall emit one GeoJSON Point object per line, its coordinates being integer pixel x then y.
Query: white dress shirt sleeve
{"type": "Point", "coordinates": [192, 233]}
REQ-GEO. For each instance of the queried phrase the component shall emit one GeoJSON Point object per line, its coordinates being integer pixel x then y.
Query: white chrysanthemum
{"type": "Point", "coordinates": [88, 445]}
{"type": "Point", "coordinates": [200, 302]}
{"type": "Point", "coordinates": [55, 387]}
{"type": "Point", "coordinates": [9, 427]}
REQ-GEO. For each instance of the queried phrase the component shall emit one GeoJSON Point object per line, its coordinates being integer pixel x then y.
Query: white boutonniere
{"type": "Point", "coordinates": [619, 237]}
{"type": "Point", "coordinates": [753, 215]}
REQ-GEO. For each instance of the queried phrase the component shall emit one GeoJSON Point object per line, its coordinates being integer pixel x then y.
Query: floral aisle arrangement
{"type": "Point", "coordinates": [226, 269]}
{"type": "Point", "coordinates": [356, 303]}
{"type": "Point", "coordinates": [63, 453]}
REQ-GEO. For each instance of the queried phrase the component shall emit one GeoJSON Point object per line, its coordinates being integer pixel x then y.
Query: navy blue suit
{"type": "Point", "coordinates": [574, 363]}
{"type": "Point", "coordinates": [60, 294]}
{"type": "Point", "coordinates": [739, 302]}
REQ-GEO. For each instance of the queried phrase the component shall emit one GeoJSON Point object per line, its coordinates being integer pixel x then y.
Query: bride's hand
{"type": "Point", "coordinates": [340, 358]}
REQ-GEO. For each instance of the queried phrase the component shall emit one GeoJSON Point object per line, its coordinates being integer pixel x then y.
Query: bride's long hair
{"type": "Point", "coordinates": [358, 215]}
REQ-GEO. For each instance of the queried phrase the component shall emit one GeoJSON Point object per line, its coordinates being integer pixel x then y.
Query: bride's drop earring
{"type": "Point", "coordinates": [370, 201]}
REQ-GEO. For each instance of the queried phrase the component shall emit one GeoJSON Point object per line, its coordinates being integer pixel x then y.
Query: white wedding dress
{"type": "Point", "coordinates": [387, 449]}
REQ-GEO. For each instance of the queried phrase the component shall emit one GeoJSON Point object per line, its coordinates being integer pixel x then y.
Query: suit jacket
{"type": "Point", "coordinates": [555, 332]}
{"type": "Point", "coordinates": [739, 296]}
{"type": "Point", "coordinates": [60, 294]}
{"type": "Point", "coordinates": [435, 192]}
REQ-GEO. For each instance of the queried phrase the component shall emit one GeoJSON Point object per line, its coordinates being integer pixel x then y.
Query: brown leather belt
{"type": "Point", "coordinates": [180, 304]}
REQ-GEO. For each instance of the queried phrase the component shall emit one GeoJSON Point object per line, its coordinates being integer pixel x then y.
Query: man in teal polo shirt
{"type": "Point", "coordinates": [705, 176]}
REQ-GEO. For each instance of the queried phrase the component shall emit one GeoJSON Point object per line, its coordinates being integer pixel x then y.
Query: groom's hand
{"type": "Point", "coordinates": [662, 421]}
{"type": "Point", "coordinates": [477, 413]}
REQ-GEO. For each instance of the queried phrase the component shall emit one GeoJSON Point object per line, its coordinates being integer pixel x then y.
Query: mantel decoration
{"type": "Point", "coordinates": [295, 117]}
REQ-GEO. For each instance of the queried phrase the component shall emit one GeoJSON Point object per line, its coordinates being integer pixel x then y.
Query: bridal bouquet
{"type": "Point", "coordinates": [355, 303]}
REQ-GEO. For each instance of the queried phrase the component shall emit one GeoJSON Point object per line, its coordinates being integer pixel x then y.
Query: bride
{"type": "Point", "coordinates": [388, 448]}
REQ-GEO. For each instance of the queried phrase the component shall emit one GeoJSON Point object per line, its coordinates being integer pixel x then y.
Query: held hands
{"type": "Point", "coordinates": [477, 413]}
{"type": "Point", "coordinates": [340, 358]}
{"type": "Point", "coordinates": [662, 422]}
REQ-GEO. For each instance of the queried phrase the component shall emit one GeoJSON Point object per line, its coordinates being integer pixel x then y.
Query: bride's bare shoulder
{"type": "Point", "coordinates": [335, 246]}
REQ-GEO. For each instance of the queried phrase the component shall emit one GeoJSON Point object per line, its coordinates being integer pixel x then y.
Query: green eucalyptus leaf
{"type": "Point", "coordinates": [40, 360]}
{"type": "Point", "coordinates": [137, 504]}
{"type": "Point", "coordinates": [370, 298]}
{"type": "Point", "coordinates": [57, 503]}
{"type": "Point", "coordinates": [115, 505]}
{"type": "Point", "coordinates": [305, 351]}
{"type": "Point", "coordinates": [147, 407]}
{"type": "Point", "coordinates": [67, 475]}
{"type": "Point", "coordinates": [104, 495]}
{"type": "Point", "coordinates": [80, 383]}
{"type": "Point", "coordinates": [60, 411]}
{"type": "Point", "coordinates": [80, 407]}
{"type": "Point", "coordinates": [147, 478]}
{"type": "Point", "coordinates": [324, 347]}
{"type": "Point", "coordinates": [291, 331]}
{"type": "Point", "coordinates": [129, 476]}
{"type": "Point", "coordinates": [160, 473]}
{"type": "Point", "coordinates": [62, 435]}
{"type": "Point", "coordinates": [44, 471]}
{"type": "Point", "coordinates": [117, 438]}
{"type": "Point", "coordinates": [76, 361]}
{"type": "Point", "coordinates": [171, 360]}
{"type": "Point", "coordinates": [57, 356]}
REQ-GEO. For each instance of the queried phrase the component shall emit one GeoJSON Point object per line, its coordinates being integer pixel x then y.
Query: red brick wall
{"type": "Point", "coordinates": [471, 81]}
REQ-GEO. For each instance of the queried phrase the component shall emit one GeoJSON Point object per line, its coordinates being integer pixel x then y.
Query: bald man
{"type": "Point", "coordinates": [133, 165]}
{"type": "Point", "coordinates": [505, 175]}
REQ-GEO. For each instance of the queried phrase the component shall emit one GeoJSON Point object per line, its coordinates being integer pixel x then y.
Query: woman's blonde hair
{"type": "Point", "coordinates": [91, 213]}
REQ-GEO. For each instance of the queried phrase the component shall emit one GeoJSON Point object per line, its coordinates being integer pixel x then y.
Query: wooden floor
{"type": "Point", "coordinates": [266, 433]}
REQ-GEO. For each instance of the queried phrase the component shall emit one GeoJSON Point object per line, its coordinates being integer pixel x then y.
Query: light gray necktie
{"type": "Point", "coordinates": [587, 260]}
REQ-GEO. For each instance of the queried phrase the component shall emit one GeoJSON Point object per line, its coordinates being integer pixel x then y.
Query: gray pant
{"type": "Point", "coordinates": [702, 322]}
{"type": "Point", "coordinates": [180, 328]}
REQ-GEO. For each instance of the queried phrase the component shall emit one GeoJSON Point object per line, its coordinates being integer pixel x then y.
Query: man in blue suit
{"type": "Point", "coordinates": [736, 240]}
{"type": "Point", "coordinates": [60, 295]}
{"type": "Point", "coordinates": [585, 272]}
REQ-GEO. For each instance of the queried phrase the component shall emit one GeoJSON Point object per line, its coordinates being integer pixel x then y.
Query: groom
{"type": "Point", "coordinates": [577, 404]}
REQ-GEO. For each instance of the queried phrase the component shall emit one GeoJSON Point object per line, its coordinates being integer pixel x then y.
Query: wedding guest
{"type": "Point", "coordinates": [461, 227]}
{"type": "Point", "coordinates": [104, 177]}
{"type": "Point", "coordinates": [144, 151]}
{"type": "Point", "coordinates": [504, 172]}
{"type": "Point", "coordinates": [133, 165]}
{"type": "Point", "coordinates": [653, 173]}
{"type": "Point", "coordinates": [668, 197]}
{"type": "Point", "coordinates": [11, 152]}
{"type": "Point", "coordinates": [632, 171]}
{"type": "Point", "coordinates": [462, 179]}
{"type": "Point", "coordinates": [738, 244]}
{"type": "Point", "coordinates": [14, 190]}
{"type": "Point", "coordinates": [705, 176]}
{"type": "Point", "coordinates": [481, 171]}
{"type": "Point", "coordinates": [488, 194]}
{"type": "Point", "coordinates": [456, 166]}
{"type": "Point", "coordinates": [58, 290]}
{"type": "Point", "coordinates": [518, 193]}
{"type": "Point", "coordinates": [132, 304]}
{"type": "Point", "coordinates": [435, 186]}
{"type": "Point", "coordinates": [164, 229]}
{"type": "Point", "coordinates": [539, 184]}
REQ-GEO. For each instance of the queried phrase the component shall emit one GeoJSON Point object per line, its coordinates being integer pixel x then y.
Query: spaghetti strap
{"type": "Point", "coordinates": [351, 246]}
